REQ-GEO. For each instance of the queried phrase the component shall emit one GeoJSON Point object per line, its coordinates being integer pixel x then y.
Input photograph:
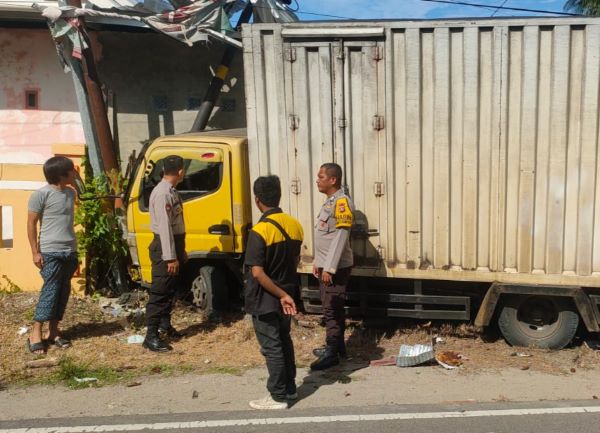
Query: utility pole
{"type": "Point", "coordinates": [212, 94]}
{"type": "Point", "coordinates": [96, 105]}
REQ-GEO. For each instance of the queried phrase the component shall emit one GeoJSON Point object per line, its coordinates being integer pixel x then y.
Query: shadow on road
{"type": "Point", "coordinates": [362, 346]}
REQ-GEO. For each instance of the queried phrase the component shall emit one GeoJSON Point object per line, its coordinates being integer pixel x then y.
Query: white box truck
{"type": "Point", "coordinates": [470, 148]}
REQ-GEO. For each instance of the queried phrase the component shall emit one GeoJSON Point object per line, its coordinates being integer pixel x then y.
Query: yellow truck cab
{"type": "Point", "coordinates": [217, 208]}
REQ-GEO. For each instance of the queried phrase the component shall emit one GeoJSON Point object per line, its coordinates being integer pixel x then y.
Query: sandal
{"type": "Point", "coordinates": [62, 343]}
{"type": "Point", "coordinates": [35, 348]}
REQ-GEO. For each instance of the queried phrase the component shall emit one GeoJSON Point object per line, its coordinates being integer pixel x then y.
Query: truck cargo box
{"type": "Point", "coordinates": [470, 147]}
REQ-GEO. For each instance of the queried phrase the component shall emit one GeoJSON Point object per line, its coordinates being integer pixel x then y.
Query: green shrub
{"type": "Point", "coordinates": [101, 238]}
{"type": "Point", "coordinates": [8, 287]}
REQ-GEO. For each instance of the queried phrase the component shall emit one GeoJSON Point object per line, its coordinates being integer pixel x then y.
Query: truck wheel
{"type": "Point", "coordinates": [538, 321]}
{"type": "Point", "coordinates": [209, 290]}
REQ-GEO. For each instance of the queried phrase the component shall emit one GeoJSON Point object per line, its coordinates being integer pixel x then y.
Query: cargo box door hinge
{"type": "Point", "coordinates": [295, 186]}
{"type": "Point", "coordinates": [377, 53]}
{"type": "Point", "coordinates": [342, 123]}
{"type": "Point", "coordinates": [294, 121]}
{"type": "Point", "coordinates": [378, 189]}
{"type": "Point", "coordinates": [290, 55]}
{"type": "Point", "coordinates": [378, 123]}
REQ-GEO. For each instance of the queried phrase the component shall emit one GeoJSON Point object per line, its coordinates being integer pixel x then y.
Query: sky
{"type": "Point", "coordinates": [401, 9]}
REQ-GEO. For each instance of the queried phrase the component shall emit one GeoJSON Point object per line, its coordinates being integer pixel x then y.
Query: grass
{"type": "Point", "coordinates": [100, 348]}
{"type": "Point", "coordinates": [28, 314]}
{"type": "Point", "coordinates": [166, 369]}
{"type": "Point", "coordinates": [187, 368]}
{"type": "Point", "coordinates": [225, 370]}
{"type": "Point", "coordinates": [71, 372]}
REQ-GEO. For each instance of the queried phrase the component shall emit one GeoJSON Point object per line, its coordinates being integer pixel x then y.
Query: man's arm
{"type": "Point", "coordinates": [32, 222]}
{"type": "Point", "coordinates": [162, 209]}
{"type": "Point", "coordinates": [287, 303]}
{"type": "Point", "coordinates": [343, 222]}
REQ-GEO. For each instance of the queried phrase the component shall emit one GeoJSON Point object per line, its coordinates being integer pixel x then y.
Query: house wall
{"type": "Point", "coordinates": [17, 183]}
{"type": "Point", "coordinates": [153, 84]}
{"type": "Point", "coordinates": [28, 62]}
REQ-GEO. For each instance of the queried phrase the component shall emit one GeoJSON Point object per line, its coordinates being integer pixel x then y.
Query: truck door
{"type": "Point", "coordinates": [335, 109]}
{"type": "Point", "coordinates": [206, 195]}
{"type": "Point", "coordinates": [310, 81]}
{"type": "Point", "coordinates": [364, 147]}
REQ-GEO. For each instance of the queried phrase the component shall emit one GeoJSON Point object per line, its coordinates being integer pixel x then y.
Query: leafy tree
{"type": "Point", "coordinates": [583, 7]}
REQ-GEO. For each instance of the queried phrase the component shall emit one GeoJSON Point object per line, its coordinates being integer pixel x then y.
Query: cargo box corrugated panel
{"type": "Point", "coordinates": [469, 147]}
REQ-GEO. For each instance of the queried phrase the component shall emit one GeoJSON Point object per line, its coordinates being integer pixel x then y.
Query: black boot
{"type": "Point", "coordinates": [319, 351]}
{"type": "Point", "coordinates": [329, 358]}
{"type": "Point", "coordinates": [154, 343]}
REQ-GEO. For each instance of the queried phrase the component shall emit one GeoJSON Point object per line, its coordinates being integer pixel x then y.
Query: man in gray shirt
{"type": "Point", "coordinates": [54, 251]}
{"type": "Point", "coordinates": [167, 253]}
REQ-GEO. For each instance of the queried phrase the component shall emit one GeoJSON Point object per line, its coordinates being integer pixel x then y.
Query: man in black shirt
{"type": "Point", "coordinates": [272, 255]}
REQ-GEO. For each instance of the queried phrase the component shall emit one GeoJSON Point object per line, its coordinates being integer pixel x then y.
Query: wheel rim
{"type": "Point", "coordinates": [199, 292]}
{"type": "Point", "coordinates": [538, 318]}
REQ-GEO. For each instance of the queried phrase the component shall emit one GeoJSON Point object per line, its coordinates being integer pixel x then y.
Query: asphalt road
{"type": "Point", "coordinates": [546, 417]}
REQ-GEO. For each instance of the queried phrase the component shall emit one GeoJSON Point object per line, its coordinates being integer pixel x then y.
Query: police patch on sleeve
{"type": "Point", "coordinates": [343, 214]}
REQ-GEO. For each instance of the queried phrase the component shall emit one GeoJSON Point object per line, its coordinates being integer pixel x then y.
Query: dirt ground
{"type": "Point", "coordinates": [100, 348]}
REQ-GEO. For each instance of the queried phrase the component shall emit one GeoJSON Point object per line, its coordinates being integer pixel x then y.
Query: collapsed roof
{"type": "Point", "coordinates": [188, 21]}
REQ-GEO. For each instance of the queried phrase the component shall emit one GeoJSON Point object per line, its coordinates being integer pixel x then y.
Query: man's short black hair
{"type": "Point", "coordinates": [56, 168]}
{"type": "Point", "coordinates": [268, 190]}
{"type": "Point", "coordinates": [172, 164]}
{"type": "Point", "coordinates": [333, 170]}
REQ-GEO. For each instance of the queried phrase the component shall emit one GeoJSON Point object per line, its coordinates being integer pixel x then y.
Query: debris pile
{"type": "Point", "coordinates": [129, 306]}
{"type": "Point", "coordinates": [420, 354]}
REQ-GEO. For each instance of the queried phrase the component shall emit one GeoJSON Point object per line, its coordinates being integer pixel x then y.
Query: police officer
{"type": "Point", "coordinates": [167, 253]}
{"type": "Point", "coordinates": [333, 262]}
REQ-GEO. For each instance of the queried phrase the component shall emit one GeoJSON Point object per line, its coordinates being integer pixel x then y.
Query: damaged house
{"type": "Point", "coordinates": [154, 62]}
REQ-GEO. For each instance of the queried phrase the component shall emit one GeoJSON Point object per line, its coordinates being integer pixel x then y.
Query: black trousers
{"type": "Point", "coordinates": [164, 286]}
{"type": "Point", "coordinates": [333, 300]}
{"type": "Point", "coordinates": [273, 334]}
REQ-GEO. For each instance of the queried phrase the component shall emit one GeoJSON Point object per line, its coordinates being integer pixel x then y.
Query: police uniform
{"type": "Point", "coordinates": [334, 255]}
{"type": "Point", "coordinates": [166, 222]}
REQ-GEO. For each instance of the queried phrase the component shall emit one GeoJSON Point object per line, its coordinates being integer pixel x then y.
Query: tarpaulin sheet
{"type": "Point", "coordinates": [272, 11]}
{"type": "Point", "coordinates": [188, 22]}
{"type": "Point", "coordinates": [184, 20]}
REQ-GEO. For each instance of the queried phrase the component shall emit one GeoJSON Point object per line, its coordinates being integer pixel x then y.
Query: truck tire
{"type": "Point", "coordinates": [209, 290]}
{"type": "Point", "coordinates": [538, 321]}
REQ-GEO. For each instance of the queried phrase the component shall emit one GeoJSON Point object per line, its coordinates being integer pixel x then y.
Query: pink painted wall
{"type": "Point", "coordinates": [28, 61]}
